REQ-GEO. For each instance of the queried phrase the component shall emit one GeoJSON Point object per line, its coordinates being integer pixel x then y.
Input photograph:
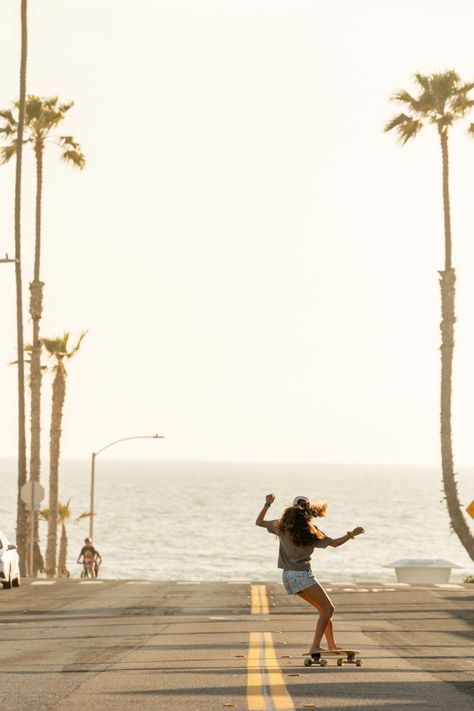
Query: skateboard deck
{"type": "Point", "coordinates": [343, 656]}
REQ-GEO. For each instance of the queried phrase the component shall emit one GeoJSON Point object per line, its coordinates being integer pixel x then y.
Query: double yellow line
{"type": "Point", "coordinates": [259, 600]}
{"type": "Point", "coordinates": [266, 688]}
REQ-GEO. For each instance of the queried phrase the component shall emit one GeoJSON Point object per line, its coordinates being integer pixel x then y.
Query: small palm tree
{"type": "Point", "coordinates": [58, 350]}
{"type": "Point", "coordinates": [41, 118]}
{"type": "Point", "coordinates": [64, 515]}
{"type": "Point", "coordinates": [442, 100]}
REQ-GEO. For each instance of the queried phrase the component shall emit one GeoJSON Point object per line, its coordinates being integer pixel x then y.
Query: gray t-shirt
{"type": "Point", "coordinates": [291, 556]}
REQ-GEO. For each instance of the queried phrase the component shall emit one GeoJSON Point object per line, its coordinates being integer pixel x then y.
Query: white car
{"type": "Point", "coordinates": [9, 563]}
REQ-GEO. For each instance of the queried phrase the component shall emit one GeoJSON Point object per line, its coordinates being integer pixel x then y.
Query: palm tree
{"type": "Point", "coordinates": [21, 520]}
{"type": "Point", "coordinates": [58, 350]}
{"type": "Point", "coordinates": [42, 116]}
{"type": "Point", "coordinates": [64, 515]}
{"type": "Point", "coordinates": [442, 100]}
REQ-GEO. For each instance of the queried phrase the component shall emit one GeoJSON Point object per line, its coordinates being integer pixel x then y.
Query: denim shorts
{"type": "Point", "coordinates": [297, 580]}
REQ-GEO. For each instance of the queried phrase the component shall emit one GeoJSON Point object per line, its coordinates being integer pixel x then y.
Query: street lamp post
{"type": "Point", "coordinates": [7, 260]}
{"type": "Point", "coordinates": [94, 455]}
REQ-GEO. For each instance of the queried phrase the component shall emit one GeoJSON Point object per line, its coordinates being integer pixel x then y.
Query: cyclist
{"type": "Point", "coordinates": [91, 558]}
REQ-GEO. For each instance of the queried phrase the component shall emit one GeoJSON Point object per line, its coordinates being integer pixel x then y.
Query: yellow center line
{"type": "Point", "coordinates": [281, 697]}
{"type": "Point", "coordinates": [255, 698]}
{"type": "Point", "coordinates": [259, 600]}
{"type": "Point", "coordinates": [266, 690]}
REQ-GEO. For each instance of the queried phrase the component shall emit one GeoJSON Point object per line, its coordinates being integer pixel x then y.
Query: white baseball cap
{"type": "Point", "coordinates": [297, 500]}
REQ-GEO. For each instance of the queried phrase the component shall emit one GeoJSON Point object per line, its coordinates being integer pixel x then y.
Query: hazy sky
{"type": "Point", "coordinates": [255, 260]}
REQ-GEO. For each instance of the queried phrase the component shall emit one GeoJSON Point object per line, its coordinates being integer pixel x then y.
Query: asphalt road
{"type": "Point", "coordinates": [198, 647]}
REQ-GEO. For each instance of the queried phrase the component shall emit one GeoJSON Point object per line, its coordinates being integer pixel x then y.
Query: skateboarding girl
{"type": "Point", "coordinates": [298, 538]}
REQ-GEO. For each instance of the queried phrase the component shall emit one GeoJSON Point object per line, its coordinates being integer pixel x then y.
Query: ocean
{"type": "Point", "coordinates": [194, 521]}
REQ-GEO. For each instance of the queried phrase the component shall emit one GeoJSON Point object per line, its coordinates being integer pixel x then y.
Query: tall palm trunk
{"type": "Point", "coordinates": [62, 559]}
{"type": "Point", "coordinates": [21, 521]}
{"type": "Point", "coordinates": [36, 310]}
{"type": "Point", "coordinates": [59, 391]}
{"type": "Point", "coordinates": [448, 288]}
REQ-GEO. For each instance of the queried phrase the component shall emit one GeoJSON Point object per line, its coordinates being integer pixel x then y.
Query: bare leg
{"type": "Point", "coordinates": [329, 631]}
{"type": "Point", "coordinates": [317, 596]}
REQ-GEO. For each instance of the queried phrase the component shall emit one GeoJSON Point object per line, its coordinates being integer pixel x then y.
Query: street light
{"type": "Point", "coordinates": [94, 455]}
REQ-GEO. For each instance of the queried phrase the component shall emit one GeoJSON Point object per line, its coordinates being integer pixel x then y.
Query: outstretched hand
{"type": "Point", "coordinates": [270, 498]}
{"type": "Point", "coordinates": [357, 531]}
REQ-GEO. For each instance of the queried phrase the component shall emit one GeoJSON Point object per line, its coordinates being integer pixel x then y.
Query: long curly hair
{"type": "Point", "coordinates": [297, 523]}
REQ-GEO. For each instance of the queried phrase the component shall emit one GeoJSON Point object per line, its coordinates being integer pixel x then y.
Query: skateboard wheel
{"type": "Point", "coordinates": [323, 662]}
{"type": "Point", "coordinates": [358, 662]}
{"type": "Point", "coordinates": [339, 662]}
{"type": "Point", "coordinates": [308, 662]}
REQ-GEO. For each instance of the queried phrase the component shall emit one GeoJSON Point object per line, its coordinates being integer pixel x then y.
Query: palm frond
{"type": "Point", "coordinates": [63, 108]}
{"type": "Point", "coordinates": [461, 104]}
{"type": "Point", "coordinates": [404, 97]}
{"type": "Point", "coordinates": [75, 158]}
{"type": "Point", "coordinates": [7, 153]}
{"type": "Point", "coordinates": [51, 102]}
{"type": "Point", "coordinates": [28, 348]}
{"type": "Point", "coordinates": [443, 121]}
{"type": "Point", "coordinates": [447, 79]}
{"type": "Point", "coordinates": [72, 152]}
{"type": "Point", "coordinates": [466, 87]}
{"type": "Point", "coordinates": [7, 116]}
{"type": "Point", "coordinates": [64, 512]}
{"type": "Point", "coordinates": [44, 514]}
{"type": "Point", "coordinates": [8, 131]}
{"type": "Point", "coordinates": [423, 81]}
{"type": "Point", "coordinates": [405, 126]}
{"type": "Point", "coordinates": [57, 348]}
{"type": "Point", "coordinates": [54, 346]}
{"type": "Point", "coordinates": [15, 362]}
{"type": "Point", "coordinates": [80, 338]}
{"type": "Point", "coordinates": [33, 108]}
{"type": "Point", "coordinates": [395, 122]}
{"type": "Point", "coordinates": [8, 124]}
{"type": "Point", "coordinates": [85, 514]}
{"type": "Point", "coordinates": [42, 114]}
{"type": "Point", "coordinates": [68, 141]}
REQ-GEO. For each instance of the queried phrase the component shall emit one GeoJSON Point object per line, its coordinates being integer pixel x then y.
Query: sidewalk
{"type": "Point", "coordinates": [123, 645]}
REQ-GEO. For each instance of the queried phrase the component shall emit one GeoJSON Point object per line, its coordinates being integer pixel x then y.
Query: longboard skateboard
{"type": "Point", "coordinates": [343, 656]}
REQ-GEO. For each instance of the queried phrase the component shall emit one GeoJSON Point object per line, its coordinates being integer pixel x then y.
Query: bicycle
{"type": "Point", "coordinates": [88, 568]}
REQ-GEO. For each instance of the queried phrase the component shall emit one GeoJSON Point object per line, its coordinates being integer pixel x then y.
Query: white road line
{"type": "Point", "coordinates": [138, 582]}
{"type": "Point", "coordinates": [337, 585]}
{"type": "Point", "coordinates": [44, 582]}
{"type": "Point", "coordinates": [239, 582]}
{"type": "Point", "coordinates": [449, 586]}
{"type": "Point", "coordinates": [190, 582]}
{"type": "Point", "coordinates": [91, 582]}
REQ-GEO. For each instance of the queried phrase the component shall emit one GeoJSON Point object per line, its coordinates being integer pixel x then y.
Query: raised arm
{"type": "Point", "coordinates": [269, 499]}
{"type": "Point", "coordinates": [336, 542]}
